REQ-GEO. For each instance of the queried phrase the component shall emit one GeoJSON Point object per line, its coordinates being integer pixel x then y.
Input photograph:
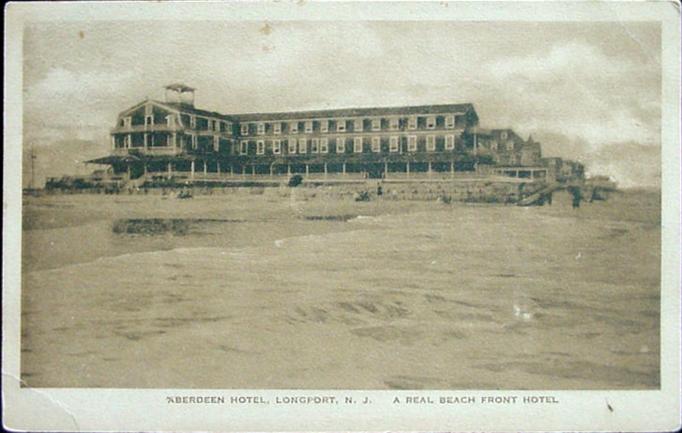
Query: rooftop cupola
{"type": "Point", "coordinates": [179, 94]}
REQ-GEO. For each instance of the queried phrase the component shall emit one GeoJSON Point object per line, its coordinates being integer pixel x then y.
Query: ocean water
{"type": "Point", "coordinates": [279, 290]}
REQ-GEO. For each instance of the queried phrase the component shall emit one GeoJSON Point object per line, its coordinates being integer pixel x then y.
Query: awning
{"type": "Point", "coordinates": [113, 159]}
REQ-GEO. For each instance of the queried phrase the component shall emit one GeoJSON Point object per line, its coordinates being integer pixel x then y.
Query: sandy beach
{"type": "Point", "coordinates": [282, 289]}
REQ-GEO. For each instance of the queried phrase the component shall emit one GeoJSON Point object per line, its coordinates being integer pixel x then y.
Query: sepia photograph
{"type": "Point", "coordinates": [341, 204]}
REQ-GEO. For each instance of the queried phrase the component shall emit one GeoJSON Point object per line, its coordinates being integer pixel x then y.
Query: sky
{"type": "Point", "coordinates": [586, 91]}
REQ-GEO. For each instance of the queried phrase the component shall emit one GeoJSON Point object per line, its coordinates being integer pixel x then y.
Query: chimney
{"type": "Point", "coordinates": [179, 94]}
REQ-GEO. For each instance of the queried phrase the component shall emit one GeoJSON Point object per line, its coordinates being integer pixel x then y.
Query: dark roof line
{"type": "Point", "coordinates": [342, 112]}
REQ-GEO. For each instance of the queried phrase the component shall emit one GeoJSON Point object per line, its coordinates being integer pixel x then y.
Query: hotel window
{"type": "Point", "coordinates": [412, 143]}
{"type": "Point", "coordinates": [292, 145]}
{"type": "Point", "coordinates": [302, 145]}
{"type": "Point", "coordinates": [394, 124]}
{"type": "Point", "coordinates": [357, 125]}
{"type": "Point", "coordinates": [277, 147]}
{"type": "Point", "coordinates": [503, 135]}
{"type": "Point", "coordinates": [357, 145]}
{"type": "Point", "coordinates": [431, 122]}
{"type": "Point", "coordinates": [245, 129]}
{"type": "Point", "coordinates": [324, 145]}
{"type": "Point", "coordinates": [510, 145]}
{"type": "Point", "coordinates": [277, 128]}
{"type": "Point", "coordinates": [430, 143]}
{"type": "Point", "coordinates": [450, 122]}
{"type": "Point", "coordinates": [340, 145]}
{"type": "Point", "coordinates": [293, 127]}
{"type": "Point", "coordinates": [341, 125]}
{"type": "Point", "coordinates": [324, 126]}
{"type": "Point", "coordinates": [314, 145]}
{"type": "Point", "coordinates": [244, 146]}
{"type": "Point", "coordinates": [394, 145]}
{"type": "Point", "coordinates": [261, 129]}
{"type": "Point", "coordinates": [148, 120]}
{"type": "Point", "coordinates": [412, 122]}
{"type": "Point", "coordinates": [376, 144]}
{"type": "Point", "coordinates": [260, 147]}
{"type": "Point", "coordinates": [308, 126]}
{"type": "Point", "coordinates": [493, 145]}
{"type": "Point", "coordinates": [449, 142]}
{"type": "Point", "coordinates": [126, 140]}
{"type": "Point", "coordinates": [376, 124]}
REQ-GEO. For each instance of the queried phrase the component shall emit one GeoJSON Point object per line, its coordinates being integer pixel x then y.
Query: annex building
{"type": "Point", "coordinates": [174, 138]}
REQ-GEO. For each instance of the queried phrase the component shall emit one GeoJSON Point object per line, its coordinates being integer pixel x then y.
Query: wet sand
{"type": "Point", "coordinates": [282, 291]}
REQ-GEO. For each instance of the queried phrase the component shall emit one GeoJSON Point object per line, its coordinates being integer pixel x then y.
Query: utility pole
{"type": "Point", "coordinates": [33, 157]}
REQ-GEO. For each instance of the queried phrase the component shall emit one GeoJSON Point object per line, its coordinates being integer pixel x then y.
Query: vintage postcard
{"type": "Point", "coordinates": [342, 216]}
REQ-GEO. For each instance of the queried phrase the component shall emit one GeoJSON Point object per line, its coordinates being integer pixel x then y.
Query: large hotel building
{"type": "Point", "coordinates": [176, 139]}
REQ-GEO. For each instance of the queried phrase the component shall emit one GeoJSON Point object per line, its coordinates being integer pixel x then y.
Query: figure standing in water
{"type": "Point", "coordinates": [577, 197]}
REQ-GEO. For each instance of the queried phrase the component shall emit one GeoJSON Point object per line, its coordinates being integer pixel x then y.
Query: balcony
{"type": "Point", "coordinates": [145, 128]}
{"type": "Point", "coordinates": [151, 151]}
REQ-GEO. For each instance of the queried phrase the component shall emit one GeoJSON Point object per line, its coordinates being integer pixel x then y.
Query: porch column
{"type": "Point", "coordinates": [452, 168]}
{"type": "Point", "coordinates": [271, 169]}
{"type": "Point", "coordinates": [408, 169]}
{"type": "Point", "coordinates": [129, 144]}
{"type": "Point", "coordinates": [253, 170]}
{"type": "Point", "coordinates": [307, 170]}
{"type": "Point", "coordinates": [231, 170]}
{"type": "Point", "coordinates": [288, 169]}
{"type": "Point", "coordinates": [205, 169]}
{"type": "Point", "coordinates": [128, 171]}
{"type": "Point", "coordinates": [113, 142]}
{"type": "Point", "coordinates": [517, 173]}
{"type": "Point", "coordinates": [429, 173]}
{"type": "Point", "coordinates": [385, 169]}
{"type": "Point", "coordinates": [218, 167]}
{"type": "Point", "coordinates": [144, 168]}
{"type": "Point", "coordinates": [170, 169]}
{"type": "Point", "coordinates": [343, 168]}
{"type": "Point", "coordinates": [192, 170]}
{"type": "Point", "coordinates": [325, 169]}
{"type": "Point", "coordinates": [145, 141]}
{"type": "Point", "coordinates": [175, 140]}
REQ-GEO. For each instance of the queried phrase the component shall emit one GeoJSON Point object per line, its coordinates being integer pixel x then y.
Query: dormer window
{"type": "Point", "coordinates": [357, 125]}
{"type": "Point", "coordinates": [277, 128]}
{"type": "Point", "coordinates": [293, 127]}
{"type": "Point", "coordinates": [450, 121]}
{"type": "Point", "coordinates": [308, 126]}
{"type": "Point", "coordinates": [341, 125]}
{"type": "Point", "coordinates": [412, 122]}
{"type": "Point", "coordinates": [244, 129]}
{"type": "Point", "coordinates": [261, 128]}
{"type": "Point", "coordinates": [148, 120]}
{"type": "Point", "coordinates": [376, 124]}
{"type": "Point", "coordinates": [431, 122]}
{"type": "Point", "coordinates": [324, 126]}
